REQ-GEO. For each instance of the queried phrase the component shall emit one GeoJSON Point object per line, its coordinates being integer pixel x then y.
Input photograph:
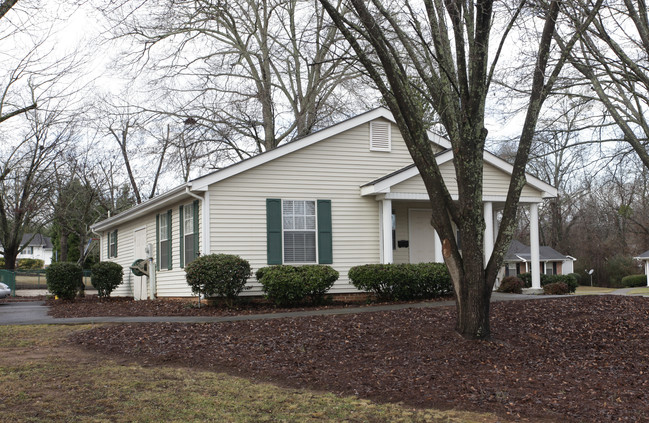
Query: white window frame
{"type": "Point", "coordinates": [112, 244]}
{"type": "Point", "coordinates": [28, 251]}
{"type": "Point", "coordinates": [162, 237]}
{"type": "Point", "coordinates": [315, 231]}
{"type": "Point", "coordinates": [188, 217]}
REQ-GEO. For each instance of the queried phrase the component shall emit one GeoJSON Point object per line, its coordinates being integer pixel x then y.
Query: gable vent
{"type": "Point", "coordinates": [380, 136]}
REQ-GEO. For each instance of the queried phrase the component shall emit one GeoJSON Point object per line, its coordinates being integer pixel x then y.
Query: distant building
{"type": "Point", "coordinates": [518, 260]}
{"type": "Point", "coordinates": [40, 247]}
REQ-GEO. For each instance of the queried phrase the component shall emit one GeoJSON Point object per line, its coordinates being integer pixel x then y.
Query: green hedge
{"type": "Point", "coordinates": [63, 279]}
{"type": "Point", "coordinates": [218, 275]}
{"type": "Point", "coordinates": [287, 285]}
{"type": "Point", "coordinates": [399, 282]}
{"type": "Point", "coordinates": [106, 276]}
{"type": "Point", "coordinates": [556, 288]}
{"type": "Point", "coordinates": [633, 281]}
{"type": "Point", "coordinates": [30, 264]}
{"type": "Point", "coordinates": [570, 280]}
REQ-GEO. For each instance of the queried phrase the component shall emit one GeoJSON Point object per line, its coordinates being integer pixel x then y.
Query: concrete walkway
{"type": "Point", "coordinates": [35, 313]}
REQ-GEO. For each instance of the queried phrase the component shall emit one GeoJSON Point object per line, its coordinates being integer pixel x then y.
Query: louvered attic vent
{"type": "Point", "coordinates": [380, 136]}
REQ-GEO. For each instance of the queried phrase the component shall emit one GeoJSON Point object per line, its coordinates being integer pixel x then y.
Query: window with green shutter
{"type": "Point", "coordinates": [163, 224]}
{"type": "Point", "coordinates": [299, 231]}
{"type": "Point", "coordinates": [188, 233]}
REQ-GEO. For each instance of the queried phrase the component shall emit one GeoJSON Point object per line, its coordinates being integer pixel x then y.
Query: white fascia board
{"type": "Point", "coordinates": [203, 182]}
{"type": "Point", "coordinates": [547, 190]}
{"type": "Point", "coordinates": [385, 184]}
{"type": "Point", "coordinates": [134, 212]}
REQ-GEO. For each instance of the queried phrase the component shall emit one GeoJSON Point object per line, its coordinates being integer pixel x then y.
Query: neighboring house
{"type": "Point", "coordinates": [645, 258]}
{"type": "Point", "coordinates": [345, 196]}
{"type": "Point", "coordinates": [518, 259]}
{"type": "Point", "coordinates": [39, 247]}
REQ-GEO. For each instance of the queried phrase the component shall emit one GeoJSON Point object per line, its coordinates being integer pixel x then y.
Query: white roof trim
{"type": "Point", "coordinates": [384, 185]}
{"type": "Point", "coordinates": [202, 182]}
{"type": "Point", "coordinates": [160, 201]}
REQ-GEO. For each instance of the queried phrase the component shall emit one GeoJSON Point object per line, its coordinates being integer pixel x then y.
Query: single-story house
{"type": "Point", "coordinates": [518, 259]}
{"type": "Point", "coordinates": [645, 258]}
{"type": "Point", "coordinates": [38, 247]}
{"type": "Point", "coordinates": [346, 195]}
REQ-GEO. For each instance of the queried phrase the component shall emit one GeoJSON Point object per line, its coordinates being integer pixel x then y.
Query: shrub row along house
{"type": "Point", "coordinates": [344, 196]}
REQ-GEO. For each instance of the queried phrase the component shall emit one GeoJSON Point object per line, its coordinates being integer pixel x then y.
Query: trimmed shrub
{"type": "Point", "coordinates": [556, 288]}
{"type": "Point", "coordinates": [569, 280]}
{"type": "Point", "coordinates": [63, 279]}
{"type": "Point", "coordinates": [105, 277]}
{"type": "Point", "coordinates": [218, 275]}
{"type": "Point", "coordinates": [30, 264]}
{"type": "Point", "coordinates": [287, 285]}
{"type": "Point", "coordinates": [634, 281]}
{"type": "Point", "coordinates": [400, 282]}
{"type": "Point", "coordinates": [511, 285]}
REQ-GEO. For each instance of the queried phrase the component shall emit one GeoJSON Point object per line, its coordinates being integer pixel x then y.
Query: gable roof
{"type": "Point", "coordinates": [38, 240]}
{"type": "Point", "coordinates": [519, 252]}
{"type": "Point", "coordinates": [643, 256]}
{"type": "Point", "coordinates": [202, 183]}
{"type": "Point", "coordinates": [383, 184]}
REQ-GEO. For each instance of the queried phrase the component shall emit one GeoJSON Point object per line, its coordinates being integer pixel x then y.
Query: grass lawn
{"type": "Point", "coordinates": [639, 291]}
{"type": "Point", "coordinates": [45, 379]}
{"type": "Point", "coordinates": [592, 290]}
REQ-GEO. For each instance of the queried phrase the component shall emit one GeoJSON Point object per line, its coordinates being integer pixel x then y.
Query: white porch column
{"type": "Point", "coordinates": [646, 270]}
{"type": "Point", "coordinates": [438, 249]}
{"type": "Point", "coordinates": [488, 231]}
{"type": "Point", "coordinates": [386, 231]}
{"type": "Point", "coordinates": [534, 245]}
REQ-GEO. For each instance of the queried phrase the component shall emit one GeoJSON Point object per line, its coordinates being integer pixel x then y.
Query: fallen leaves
{"type": "Point", "coordinates": [569, 359]}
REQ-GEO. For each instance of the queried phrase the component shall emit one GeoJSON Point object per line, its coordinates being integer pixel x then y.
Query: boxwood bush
{"type": "Point", "coordinates": [105, 277]}
{"type": "Point", "coordinates": [288, 286]}
{"type": "Point", "coordinates": [63, 279]}
{"type": "Point", "coordinates": [556, 288]}
{"type": "Point", "coordinates": [511, 285]}
{"type": "Point", "coordinates": [633, 281]}
{"type": "Point", "coordinates": [218, 275]}
{"type": "Point", "coordinates": [395, 282]}
{"type": "Point", "coordinates": [570, 280]}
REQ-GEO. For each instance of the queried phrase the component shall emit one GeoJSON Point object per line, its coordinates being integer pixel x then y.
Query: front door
{"type": "Point", "coordinates": [139, 282]}
{"type": "Point", "coordinates": [421, 235]}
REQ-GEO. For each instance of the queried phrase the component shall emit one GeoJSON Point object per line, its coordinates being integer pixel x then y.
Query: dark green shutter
{"type": "Point", "coordinates": [169, 234]}
{"type": "Point", "coordinates": [325, 249]}
{"type": "Point", "coordinates": [157, 242]}
{"type": "Point", "coordinates": [182, 237]}
{"type": "Point", "coordinates": [108, 244]}
{"type": "Point", "coordinates": [196, 246]}
{"type": "Point", "coordinates": [274, 230]}
{"type": "Point", "coordinates": [115, 242]}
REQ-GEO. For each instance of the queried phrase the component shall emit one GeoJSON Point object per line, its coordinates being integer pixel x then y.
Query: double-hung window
{"type": "Point", "coordinates": [188, 233]}
{"type": "Point", "coordinates": [112, 244]}
{"type": "Point", "coordinates": [164, 240]}
{"type": "Point", "coordinates": [299, 227]}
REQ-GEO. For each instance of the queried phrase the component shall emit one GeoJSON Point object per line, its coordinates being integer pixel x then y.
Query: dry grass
{"type": "Point", "coordinates": [45, 380]}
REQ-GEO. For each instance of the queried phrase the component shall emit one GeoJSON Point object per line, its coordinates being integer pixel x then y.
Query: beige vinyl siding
{"type": "Point", "coordinates": [495, 182]}
{"type": "Point", "coordinates": [333, 169]}
{"type": "Point", "coordinates": [170, 283]}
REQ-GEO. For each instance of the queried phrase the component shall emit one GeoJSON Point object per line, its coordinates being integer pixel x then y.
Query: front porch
{"type": "Point", "coordinates": [405, 211]}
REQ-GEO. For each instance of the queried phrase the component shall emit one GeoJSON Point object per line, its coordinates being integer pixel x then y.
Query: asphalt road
{"type": "Point", "coordinates": [25, 313]}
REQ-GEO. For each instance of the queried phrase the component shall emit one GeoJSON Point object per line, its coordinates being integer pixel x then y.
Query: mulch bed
{"type": "Point", "coordinates": [91, 305]}
{"type": "Point", "coordinates": [568, 359]}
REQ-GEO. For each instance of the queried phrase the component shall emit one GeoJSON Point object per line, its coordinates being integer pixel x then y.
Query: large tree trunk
{"type": "Point", "coordinates": [63, 245]}
{"type": "Point", "coordinates": [11, 255]}
{"type": "Point", "coordinates": [473, 303]}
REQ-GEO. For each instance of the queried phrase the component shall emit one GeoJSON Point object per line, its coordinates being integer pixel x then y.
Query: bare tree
{"type": "Point", "coordinates": [261, 70]}
{"type": "Point", "coordinates": [26, 186]}
{"type": "Point", "coordinates": [444, 46]}
{"type": "Point", "coordinates": [612, 56]}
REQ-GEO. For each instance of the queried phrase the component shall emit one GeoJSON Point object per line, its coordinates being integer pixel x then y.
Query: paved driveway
{"type": "Point", "coordinates": [26, 313]}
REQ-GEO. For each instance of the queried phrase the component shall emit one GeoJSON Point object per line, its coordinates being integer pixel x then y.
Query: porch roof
{"type": "Point", "coordinates": [643, 256]}
{"type": "Point", "coordinates": [383, 184]}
